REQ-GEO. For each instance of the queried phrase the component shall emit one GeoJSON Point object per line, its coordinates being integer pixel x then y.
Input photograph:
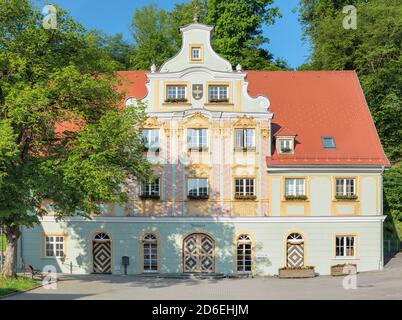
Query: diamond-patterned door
{"type": "Point", "coordinates": [102, 256]}
{"type": "Point", "coordinates": [295, 250]}
{"type": "Point", "coordinates": [198, 253]}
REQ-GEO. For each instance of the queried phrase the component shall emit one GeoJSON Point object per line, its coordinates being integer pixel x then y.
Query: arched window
{"type": "Point", "coordinates": [102, 236]}
{"type": "Point", "coordinates": [150, 253]}
{"type": "Point", "coordinates": [244, 258]}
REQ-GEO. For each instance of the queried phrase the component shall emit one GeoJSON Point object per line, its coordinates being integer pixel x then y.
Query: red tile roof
{"type": "Point", "coordinates": [310, 104]}
{"type": "Point", "coordinates": [283, 132]}
{"type": "Point", "coordinates": [133, 82]}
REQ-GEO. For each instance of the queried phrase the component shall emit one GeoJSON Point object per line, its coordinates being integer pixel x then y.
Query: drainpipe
{"type": "Point", "coordinates": [21, 246]}
{"type": "Point", "coordinates": [382, 222]}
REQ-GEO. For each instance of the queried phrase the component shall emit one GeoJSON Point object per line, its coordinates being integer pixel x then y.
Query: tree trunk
{"type": "Point", "coordinates": [10, 258]}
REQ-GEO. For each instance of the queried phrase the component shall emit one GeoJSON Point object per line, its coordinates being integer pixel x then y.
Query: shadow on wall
{"type": "Point", "coordinates": [126, 240]}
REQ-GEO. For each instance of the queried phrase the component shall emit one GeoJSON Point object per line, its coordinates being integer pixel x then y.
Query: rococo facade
{"type": "Point", "coordinates": [254, 171]}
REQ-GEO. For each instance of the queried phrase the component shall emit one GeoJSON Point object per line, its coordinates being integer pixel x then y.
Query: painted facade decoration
{"type": "Point", "coordinates": [242, 184]}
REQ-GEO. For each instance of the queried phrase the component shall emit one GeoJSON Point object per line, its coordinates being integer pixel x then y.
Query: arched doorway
{"type": "Point", "coordinates": [295, 250]}
{"type": "Point", "coordinates": [102, 253]}
{"type": "Point", "coordinates": [198, 253]}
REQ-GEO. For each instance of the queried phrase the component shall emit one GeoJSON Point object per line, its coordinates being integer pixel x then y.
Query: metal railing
{"type": "Point", "coordinates": [391, 246]}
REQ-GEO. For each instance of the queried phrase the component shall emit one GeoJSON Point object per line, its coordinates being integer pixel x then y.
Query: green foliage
{"type": "Point", "coordinates": [10, 285]}
{"type": "Point", "coordinates": [154, 36]}
{"type": "Point", "coordinates": [238, 30]}
{"type": "Point", "coordinates": [374, 51]}
{"type": "Point", "coordinates": [392, 200]}
{"type": "Point", "coordinates": [237, 35]}
{"type": "Point", "coordinates": [62, 135]}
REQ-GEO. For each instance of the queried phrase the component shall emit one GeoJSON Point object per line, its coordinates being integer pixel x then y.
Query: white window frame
{"type": "Point", "coordinates": [197, 138]}
{"type": "Point", "coordinates": [244, 245]}
{"type": "Point", "coordinates": [244, 138]}
{"type": "Point", "coordinates": [176, 91]}
{"type": "Point", "coordinates": [55, 245]}
{"type": "Point", "coordinates": [198, 184]}
{"type": "Point", "coordinates": [344, 247]}
{"type": "Point", "coordinates": [220, 92]}
{"type": "Point", "coordinates": [152, 188]}
{"type": "Point", "coordinates": [295, 186]}
{"type": "Point", "coordinates": [243, 184]}
{"type": "Point", "coordinates": [346, 189]}
{"type": "Point", "coordinates": [149, 248]}
{"type": "Point", "coordinates": [150, 138]}
{"type": "Point", "coordinates": [285, 143]}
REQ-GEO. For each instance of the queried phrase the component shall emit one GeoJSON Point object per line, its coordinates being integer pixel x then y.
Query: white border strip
{"type": "Point", "coordinates": [177, 219]}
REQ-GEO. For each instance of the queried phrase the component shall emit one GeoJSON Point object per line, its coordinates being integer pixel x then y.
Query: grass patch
{"type": "Point", "coordinates": [11, 284]}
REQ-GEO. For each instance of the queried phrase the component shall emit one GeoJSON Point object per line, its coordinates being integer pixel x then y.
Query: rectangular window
{"type": "Point", "coordinates": [150, 189]}
{"type": "Point", "coordinates": [285, 145]}
{"type": "Point", "coordinates": [197, 139]}
{"type": "Point", "coordinates": [150, 256]}
{"type": "Point", "coordinates": [345, 187]}
{"type": "Point", "coordinates": [244, 138]}
{"type": "Point", "coordinates": [150, 138]}
{"type": "Point", "coordinates": [195, 53]}
{"type": "Point", "coordinates": [345, 246]}
{"type": "Point", "coordinates": [244, 187]}
{"type": "Point", "coordinates": [197, 187]}
{"type": "Point", "coordinates": [176, 92]}
{"type": "Point", "coordinates": [218, 93]}
{"type": "Point", "coordinates": [295, 187]}
{"type": "Point", "coordinates": [54, 246]}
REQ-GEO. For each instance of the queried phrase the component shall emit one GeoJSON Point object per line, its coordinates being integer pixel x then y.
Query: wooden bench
{"type": "Point", "coordinates": [29, 270]}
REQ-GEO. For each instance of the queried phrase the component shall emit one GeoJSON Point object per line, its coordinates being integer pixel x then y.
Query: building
{"type": "Point", "coordinates": [256, 170]}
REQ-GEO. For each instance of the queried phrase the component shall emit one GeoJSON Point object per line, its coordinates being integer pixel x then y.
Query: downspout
{"type": "Point", "coordinates": [382, 221]}
{"type": "Point", "coordinates": [21, 247]}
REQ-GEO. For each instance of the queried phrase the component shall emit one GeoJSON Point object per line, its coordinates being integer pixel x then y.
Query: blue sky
{"type": "Point", "coordinates": [115, 16]}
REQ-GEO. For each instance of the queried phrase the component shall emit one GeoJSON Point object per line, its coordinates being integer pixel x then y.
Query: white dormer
{"type": "Point", "coordinates": [196, 50]}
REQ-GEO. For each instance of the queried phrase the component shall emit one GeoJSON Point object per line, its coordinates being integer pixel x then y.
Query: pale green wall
{"type": "Point", "coordinates": [270, 237]}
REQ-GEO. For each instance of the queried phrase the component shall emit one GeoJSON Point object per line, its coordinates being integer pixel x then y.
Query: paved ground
{"type": "Point", "coordinates": [386, 284]}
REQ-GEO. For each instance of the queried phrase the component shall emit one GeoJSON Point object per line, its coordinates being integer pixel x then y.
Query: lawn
{"type": "Point", "coordinates": [11, 284]}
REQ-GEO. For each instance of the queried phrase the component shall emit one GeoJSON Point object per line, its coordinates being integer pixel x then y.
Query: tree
{"type": "Point", "coordinates": [237, 35]}
{"type": "Point", "coordinates": [373, 49]}
{"type": "Point", "coordinates": [154, 37]}
{"type": "Point", "coordinates": [62, 135]}
{"type": "Point", "coordinates": [114, 47]}
{"type": "Point", "coordinates": [238, 30]}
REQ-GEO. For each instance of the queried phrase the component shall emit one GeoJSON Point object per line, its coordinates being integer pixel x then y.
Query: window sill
{"type": "Point", "coordinates": [198, 198]}
{"type": "Point", "coordinates": [198, 150]}
{"type": "Point", "coordinates": [187, 104]}
{"type": "Point", "coordinates": [295, 200]}
{"type": "Point", "coordinates": [218, 104]}
{"type": "Point", "coordinates": [345, 258]}
{"type": "Point", "coordinates": [253, 198]}
{"type": "Point", "coordinates": [149, 198]}
{"type": "Point", "coordinates": [251, 149]}
{"type": "Point", "coordinates": [345, 200]}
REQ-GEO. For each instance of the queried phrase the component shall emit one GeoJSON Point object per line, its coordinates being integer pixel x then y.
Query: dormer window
{"type": "Point", "coordinates": [285, 146]}
{"type": "Point", "coordinates": [195, 53]}
{"type": "Point", "coordinates": [328, 142]}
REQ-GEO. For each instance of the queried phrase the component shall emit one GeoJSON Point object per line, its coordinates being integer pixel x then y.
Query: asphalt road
{"type": "Point", "coordinates": [386, 284]}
